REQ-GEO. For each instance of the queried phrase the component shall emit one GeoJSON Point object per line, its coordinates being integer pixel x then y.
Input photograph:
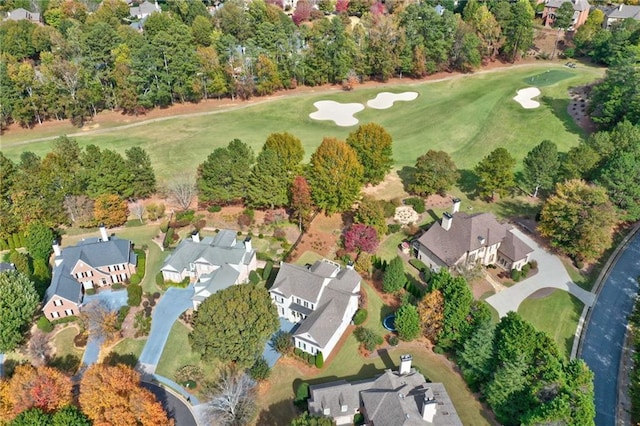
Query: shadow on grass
{"type": "Point", "coordinates": [468, 183]}
{"type": "Point", "coordinates": [406, 176]}
{"type": "Point", "coordinates": [114, 358]}
{"type": "Point", "coordinates": [67, 364]}
{"type": "Point", "coordinates": [386, 310]}
{"type": "Point", "coordinates": [577, 306]}
{"type": "Point", "coordinates": [433, 216]}
{"type": "Point", "coordinates": [559, 109]}
{"type": "Point", "coordinates": [279, 413]}
{"type": "Point", "coordinates": [517, 208]}
{"type": "Point", "coordinates": [386, 358]}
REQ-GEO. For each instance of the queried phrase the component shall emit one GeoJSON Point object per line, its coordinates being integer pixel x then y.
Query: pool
{"type": "Point", "coordinates": [389, 322]}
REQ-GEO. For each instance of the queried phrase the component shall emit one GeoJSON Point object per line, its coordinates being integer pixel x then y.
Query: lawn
{"type": "Point", "coordinates": [308, 257]}
{"type": "Point", "coordinates": [556, 314]}
{"type": "Point", "coordinates": [388, 248]}
{"type": "Point", "coordinates": [63, 342]}
{"type": "Point", "coordinates": [130, 346]}
{"type": "Point", "coordinates": [466, 116]}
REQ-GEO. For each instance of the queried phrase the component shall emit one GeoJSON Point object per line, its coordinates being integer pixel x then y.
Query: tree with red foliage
{"type": "Point", "coordinates": [342, 6]}
{"type": "Point", "coordinates": [301, 202]}
{"type": "Point", "coordinates": [44, 388]}
{"type": "Point", "coordinates": [361, 237]}
{"type": "Point", "coordinates": [302, 12]}
{"type": "Point", "coordinates": [378, 9]}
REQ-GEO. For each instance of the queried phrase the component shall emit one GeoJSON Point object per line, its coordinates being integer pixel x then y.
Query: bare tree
{"type": "Point", "coordinates": [138, 209]}
{"type": "Point", "coordinates": [99, 320]}
{"type": "Point", "coordinates": [79, 208]}
{"type": "Point", "coordinates": [233, 399]}
{"type": "Point", "coordinates": [39, 348]}
{"type": "Point", "coordinates": [182, 189]}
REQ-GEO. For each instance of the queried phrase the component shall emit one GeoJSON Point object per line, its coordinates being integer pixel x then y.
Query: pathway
{"type": "Point", "coordinates": [606, 327]}
{"type": "Point", "coordinates": [171, 305]}
{"type": "Point", "coordinates": [551, 273]}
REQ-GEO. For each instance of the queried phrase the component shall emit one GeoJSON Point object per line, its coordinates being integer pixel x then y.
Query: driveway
{"type": "Point", "coordinates": [270, 354]}
{"type": "Point", "coordinates": [112, 299]}
{"type": "Point", "coordinates": [604, 336]}
{"type": "Point", "coordinates": [172, 303]}
{"type": "Point", "coordinates": [175, 407]}
{"type": "Point", "coordinates": [551, 273]}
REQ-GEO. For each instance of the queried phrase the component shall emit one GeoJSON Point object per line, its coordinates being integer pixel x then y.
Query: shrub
{"type": "Point", "coordinates": [45, 325]}
{"type": "Point", "coordinates": [80, 341]}
{"type": "Point", "coordinates": [282, 342]}
{"type": "Point", "coordinates": [135, 279]}
{"type": "Point", "coordinates": [168, 238]}
{"type": "Point", "coordinates": [360, 316]}
{"type": "Point", "coordinates": [214, 209]}
{"type": "Point", "coordinates": [261, 235]}
{"type": "Point", "coordinates": [64, 320]}
{"type": "Point", "coordinates": [122, 314]}
{"type": "Point", "coordinates": [268, 267]}
{"type": "Point", "coordinates": [516, 275]}
{"type": "Point", "coordinates": [311, 360]}
{"type": "Point", "coordinates": [134, 294]}
{"type": "Point", "coordinates": [297, 352]}
{"type": "Point", "coordinates": [358, 419]}
{"type": "Point", "coordinates": [525, 270]}
{"type": "Point", "coordinates": [279, 233]}
{"type": "Point", "coordinates": [302, 394]}
{"type": "Point", "coordinates": [188, 373]}
{"type": "Point", "coordinates": [90, 291]}
{"type": "Point", "coordinates": [254, 278]}
{"type": "Point", "coordinates": [260, 370]}
{"type": "Point", "coordinates": [388, 208]}
{"type": "Point", "coordinates": [164, 227]}
{"type": "Point", "coordinates": [368, 338]}
{"type": "Point", "coordinates": [418, 264]}
{"type": "Point", "coordinates": [417, 203]}
{"type": "Point", "coordinates": [393, 228]}
{"type": "Point", "coordinates": [408, 322]}
{"type": "Point", "coordinates": [393, 340]}
{"type": "Point", "coordinates": [438, 349]}
{"type": "Point", "coordinates": [117, 286]}
{"type": "Point", "coordinates": [533, 264]}
{"type": "Point", "coordinates": [569, 52]}
{"type": "Point", "coordinates": [319, 360]}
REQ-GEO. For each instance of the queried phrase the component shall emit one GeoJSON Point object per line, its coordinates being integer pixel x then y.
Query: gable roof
{"type": "Point", "coordinates": [514, 248]}
{"type": "Point", "coordinates": [622, 11]}
{"type": "Point", "coordinates": [299, 281]}
{"type": "Point", "coordinates": [63, 285]}
{"type": "Point", "coordinates": [20, 14]}
{"type": "Point", "coordinates": [209, 284]}
{"type": "Point", "coordinates": [464, 235]}
{"type": "Point", "coordinates": [578, 5]}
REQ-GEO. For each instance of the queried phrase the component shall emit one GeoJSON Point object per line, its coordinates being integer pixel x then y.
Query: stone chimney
{"type": "Point", "coordinates": [56, 248]}
{"type": "Point", "coordinates": [456, 205]}
{"type": "Point", "coordinates": [195, 236]}
{"type": "Point", "coordinates": [103, 233]}
{"type": "Point", "coordinates": [405, 364]}
{"type": "Point", "coordinates": [447, 218]}
{"type": "Point", "coordinates": [429, 406]}
{"type": "Point", "coordinates": [247, 244]}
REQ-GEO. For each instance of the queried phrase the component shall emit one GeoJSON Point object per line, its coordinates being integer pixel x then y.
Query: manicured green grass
{"type": "Point", "coordinates": [376, 310]}
{"type": "Point", "coordinates": [548, 78]}
{"type": "Point", "coordinates": [388, 248]}
{"type": "Point", "coordinates": [63, 342]}
{"type": "Point", "coordinates": [465, 116]}
{"type": "Point", "coordinates": [308, 257]}
{"type": "Point", "coordinates": [557, 315]}
{"type": "Point", "coordinates": [584, 281]}
{"type": "Point", "coordinates": [130, 346]}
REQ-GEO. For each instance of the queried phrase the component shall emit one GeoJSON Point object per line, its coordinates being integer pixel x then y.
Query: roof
{"type": "Point", "coordinates": [334, 396]}
{"type": "Point", "coordinates": [64, 285]}
{"type": "Point", "coordinates": [295, 280]}
{"type": "Point", "coordinates": [145, 8]}
{"type": "Point", "coordinates": [209, 284]}
{"type": "Point", "coordinates": [4, 266]}
{"type": "Point", "coordinates": [21, 14]}
{"type": "Point", "coordinates": [578, 5]}
{"type": "Point", "coordinates": [514, 248]}
{"type": "Point", "coordinates": [622, 11]}
{"type": "Point", "coordinates": [464, 235]}
{"type": "Point", "coordinates": [323, 323]}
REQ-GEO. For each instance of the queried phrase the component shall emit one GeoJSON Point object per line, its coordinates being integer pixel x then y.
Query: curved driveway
{"type": "Point", "coordinates": [605, 333]}
{"type": "Point", "coordinates": [176, 408]}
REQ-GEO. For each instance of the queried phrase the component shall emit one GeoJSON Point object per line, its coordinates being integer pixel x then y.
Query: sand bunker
{"type": "Point", "coordinates": [525, 97]}
{"type": "Point", "coordinates": [385, 100]}
{"type": "Point", "coordinates": [341, 114]}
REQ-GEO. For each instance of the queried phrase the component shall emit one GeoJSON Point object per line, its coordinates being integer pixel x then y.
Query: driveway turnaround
{"type": "Point", "coordinates": [551, 273]}
{"type": "Point", "coordinates": [113, 300]}
{"type": "Point", "coordinates": [604, 336]}
{"type": "Point", "coordinates": [172, 303]}
{"type": "Point", "coordinates": [176, 408]}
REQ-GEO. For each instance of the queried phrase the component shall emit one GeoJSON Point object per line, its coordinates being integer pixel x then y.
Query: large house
{"type": "Point", "coordinates": [144, 9]}
{"type": "Point", "coordinates": [21, 14]}
{"type": "Point", "coordinates": [463, 240]}
{"type": "Point", "coordinates": [619, 12]}
{"type": "Point", "coordinates": [211, 263]}
{"type": "Point", "coordinates": [395, 398]}
{"type": "Point", "coordinates": [93, 262]}
{"type": "Point", "coordinates": [580, 11]}
{"type": "Point", "coordinates": [322, 298]}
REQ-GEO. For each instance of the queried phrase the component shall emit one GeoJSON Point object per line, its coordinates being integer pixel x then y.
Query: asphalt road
{"type": "Point", "coordinates": [174, 406]}
{"type": "Point", "coordinates": [602, 347]}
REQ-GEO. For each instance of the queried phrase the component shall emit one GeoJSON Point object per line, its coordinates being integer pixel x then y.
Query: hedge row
{"type": "Point", "coordinates": [310, 359]}
{"type": "Point", "coordinates": [15, 240]}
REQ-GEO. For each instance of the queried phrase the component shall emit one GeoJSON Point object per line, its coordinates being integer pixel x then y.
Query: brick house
{"type": "Point", "coordinates": [580, 11]}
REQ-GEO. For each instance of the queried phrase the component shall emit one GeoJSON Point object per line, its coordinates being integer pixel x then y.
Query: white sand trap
{"type": "Point", "coordinates": [385, 100]}
{"type": "Point", "coordinates": [341, 114]}
{"type": "Point", "coordinates": [525, 97]}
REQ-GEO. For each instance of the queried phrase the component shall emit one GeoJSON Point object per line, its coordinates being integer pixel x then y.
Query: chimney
{"type": "Point", "coordinates": [56, 248]}
{"type": "Point", "coordinates": [195, 236]}
{"type": "Point", "coordinates": [350, 265]}
{"type": "Point", "coordinates": [247, 244]}
{"type": "Point", "coordinates": [482, 240]}
{"type": "Point", "coordinates": [456, 205]}
{"type": "Point", "coordinates": [447, 218]}
{"type": "Point", "coordinates": [429, 406]}
{"type": "Point", "coordinates": [405, 364]}
{"type": "Point", "coordinates": [620, 7]}
{"type": "Point", "coordinates": [103, 233]}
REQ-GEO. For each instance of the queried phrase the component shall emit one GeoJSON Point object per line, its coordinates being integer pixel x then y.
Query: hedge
{"type": "Point", "coordinates": [254, 278]}
{"type": "Point", "coordinates": [134, 294]}
{"type": "Point", "coordinates": [360, 316]}
{"type": "Point", "coordinates": [65, 320]}
{"type": "Point", "coordinates": [319, 360]}
{"type": "Point", "coordinates": [417, 204]}
{"type": "Point", "coordinates": [416, 292]}
{"type": "Point", "coordinates": [90, 291]}
{"type": "Point", "coordinates": [268, 267]}
{"type": "Point", "coordinates": [160, 279]}
{"type": "Point", "coordinates": [45, 325]}
{"type": "Point", "coordinates": [117, 286]}
{"type": "Point", "coordinates": [135, 279]}
{"type": "Point", "coordinates": [418, 264]}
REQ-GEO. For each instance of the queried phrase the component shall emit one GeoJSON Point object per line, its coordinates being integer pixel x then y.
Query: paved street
{"type": "Point", "coordinates": [551, 273]}
{"type": "Point", "coordinates": [174, 406]}
{"type": "Point", "coordinates": [605, 332]}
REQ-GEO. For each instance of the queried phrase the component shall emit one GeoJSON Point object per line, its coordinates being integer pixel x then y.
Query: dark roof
{"type": "Point", "coordinates": [323, 323]}
{"type": "Point", "coordinates": [514, 248]}
{"type": "Point", "coordinates": [4, 266]}
{"type": "Point", "coordinates": [299, 281]}
{"type": "Point", "coordinates": [333, 396]}
{"type": "Point", "coordinates": [578, 5]}
{"type": "Point", "coordinates": [622, 11]}
{"type": "Point", "coordinates": [63, 284]}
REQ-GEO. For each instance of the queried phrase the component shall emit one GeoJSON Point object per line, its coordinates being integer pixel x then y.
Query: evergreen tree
{"type": "Point", "coordinates": [269, 182]}
{"type": "Point", "coordinates": [407, 322]}
{"type": "Point", "coordinates": [541, 167]}
{"type": "Point", "coordinates": [495, 174]}
{"type": "Point", "coordinates": [372, 144]}
{"type": "Point", "coordinates": [18, 303]}
{"type": "Point", "coordinates": [142, 176]}
{"type": "Point", "coordinates": [394, 278]}
{"type": "Point", "coordinates": [476, 357]}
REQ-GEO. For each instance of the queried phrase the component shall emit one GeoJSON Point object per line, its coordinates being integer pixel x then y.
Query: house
{"type": "Point", "coordinates": [580, 11]}
{"type": "Point", "coordinates": [7, 267]}
{"type": "Point", "coordinates": [460, 239]}
{"type": "Point", "coordinates": [619, 12]}
{"type": "Point", "coordinates": [93, 262]}
{"type": "Point", "coordinates": [21, 14]}
{"type": "Point", "coordinates": [322, 298]}
{"type": "Point", "coordinates": [144, 9]}
{"type": "Point", "coordinates": [212, 263]}
{"type": "Point", "coordinates": [394, 398]}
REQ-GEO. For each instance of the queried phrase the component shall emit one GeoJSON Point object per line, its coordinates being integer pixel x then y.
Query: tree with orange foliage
{"type": "Point", "coordinates": [6, 406]}
{"type": "Point", "coordinates": [110, 210]}
{"type": "Point", "coordinates": [112, 396]}
{"type": "Point", "coordinates": [431, 310]}
{"type": "Point", "coordinates": [45, 388]}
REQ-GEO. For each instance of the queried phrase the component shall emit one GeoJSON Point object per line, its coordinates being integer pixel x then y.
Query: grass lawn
{"type": "Point", "coordinates": [466, 116]}
{"type": "Point", "coordinates": [63, 342]}
{"type": "Point", "coordinates": [388, 248]}
{"type": "Point", "coordinates": [557, 315]}
{"type": "Point", "coordinates": [308, 257]}
{"type": "Point", "coordinates": [130, 346]}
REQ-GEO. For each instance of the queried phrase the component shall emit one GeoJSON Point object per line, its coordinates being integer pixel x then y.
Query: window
{"type": "Point", "coordinates": [57, 302]}
{"type": "Point", "coordinates": [306, 304]}
{"type": "Point", "coordinates": [55, 315]}
{"type": "Point", "coordinates": [326, 411]}
{"type": "Point", "coordinates": [343, 408]}
{"type": "Point", "coordinates": [68, 312]}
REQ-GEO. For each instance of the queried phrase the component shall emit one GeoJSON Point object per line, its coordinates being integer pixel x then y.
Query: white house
{"type": "Point", "coordinates": [145, 9]}
{"type": "Point", "coordinates": [213, 263]}
{"type": "Point", "coordinates": [322, 297]}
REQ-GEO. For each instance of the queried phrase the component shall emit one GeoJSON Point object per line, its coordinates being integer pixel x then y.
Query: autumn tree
{"type": "Point", "coordinates": [110, 210]}
{"type": "Point", "coordinates": [217, 333]}
{"type": "Point", "coordinates": [112, 395]}
{"type": "Point", "coordinates": [18, 303]}
{"type": "Point", "coordinates": [99, 320]}
{"type": "Point", "coordinates": [458, 302]}
{"type": "Point", "coordinates": [44, 387]}
{"type": "Point", "coordinates": [435, 173]}
{"type": "Point", "coordinates": [301, 202]}
{"type": "Point", "coordinates": [373, 146]}
{"type": "Point", "coordinates": [541, 167]}
{"type": "Point", "coordinates": [79, 209]}
{"type": "Point", "coordinates": [407, 322]}
{"type": "Point", "coordinates": [578, 218]}
{"type": "Point", "coordinates": [496, 174]}
{"type": "Point", "coordinates": [394, 278]}
{"type": "Point", "coordinates": [361, 237]}
{"type": "Point", "coordinates": [289, 150]}
{"type": "Point", "coordinates": [431, 311]}
{"type": "Point", "coordinates": [39, 348]}
{"type": "Point", "coordinates": [232, 398]}
{"type": "Point", "coordinates": [335, 176]}
{"type": "Point", "coordinates": [370, 212]}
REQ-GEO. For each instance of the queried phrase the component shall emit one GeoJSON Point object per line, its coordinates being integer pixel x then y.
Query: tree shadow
{"type": "Point", "coordinates": [114, 358]}
{"type": "Point", "coordinates": [67, 364]}
{"type": "Point", "coordinates": [559, 108]}
{"type": "Point", "coordinates": [386, 310]}
{"type": "Point", "coordinates": [517, 208]}
{"type": "Point", "coordinates": [276, 413]}
{"type": "Point", "coordinates": [386, 358]}
{"type": "Point", "coordinates": [433, 216]}
{"type": "Point", "coordinates": [406, 176]}
{"type": "Point", "coordinates": [468, 183]}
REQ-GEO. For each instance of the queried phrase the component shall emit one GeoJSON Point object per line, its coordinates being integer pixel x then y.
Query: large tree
{"type": "Point", "coordinates": [370, 212]}
{"type": "Point", "coordinates": [335, 176]}
{"type": "Point", "coordinates": [496, 174]}
{"type": "Point", "coordinates": [44, 388]}
{"type": "Point", "coordinates": [563, 19]}
{"type": "Point", "coordinates": [372, 144]}
{"type": "Point", "coordinates": [458, 302]}
{"type": "Point", "coordinates": [18, 303]}
{"type": "Point", "coordinates": [288, 149]}
{"type": "Point", "coordinates": [143, 178]}
{"type": "Point", "coordinates": [620, 175]}
{"type": "Point", "coordinates": [38, 240]}
{"type": "Point", "coordinates": [394, 278]}
{"type": "Point", "coordinates": [541, 167]}
{"type": "Point", "coordinates": [431, 310]}
{"type": "Point", "coordinates": [435, 173]}
{"type": "Point", "coordinates": [218, 334]}
{"type": "Point", "coordinates": [360, 237]}
{"type": "Point", "coordinates": [578, 219]}
{"type": "Point", "coordinates": [407, 322]}
{"type": "Point", "coordinates": [232, 398]}
{"type": "Point", "coordinates": [269, 182]}
{"type": "Point", "coordinates": [301, 202]}
{"type": "Point", "coordinates": [110, 210]}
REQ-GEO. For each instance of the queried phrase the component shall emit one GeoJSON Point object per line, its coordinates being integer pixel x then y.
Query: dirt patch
{"type": "Point", "coordinates": [322, 237]}
{"type": "Point", "coordinates": [391, 187]}
{"type": "Point", "coordinates": [436, 201]}
{"type": "Point", "coordinates": [578, 108]}
{"type": "Point", "coordinates": [480, 288]}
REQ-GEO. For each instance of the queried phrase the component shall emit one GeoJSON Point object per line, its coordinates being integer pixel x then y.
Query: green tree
{"type": "Point", "coordinates": [562, 22]}
{"type": "Point", "coordinates": [435, 173]}
{"type": "Point", "coordinates": [458, 302]}
{"type": "Point", "coordinates": [216, 332]}
{"type": "Point", "coordinates": [69, 416]}
{"type": "Point", "coordinates": [541, 167]}
{"type": "Point", "coordinates": [288, 149]}
{"type": "Point", "coordinates": [305, 419]}
{"type": "Point", "coordinates": [580, 162]}
{"type": "Point", "coordinates": [615, 98]}
{"type": "Point", "coordinates": [372, 144]}
{"type": "Point", "coordinates": [18, 303]}
{"type": "Point", "coordinates": [407, 322]}
{"type": "Point", "coordinates": [476, 357]}
{"type": "Point", "coordinates": [268, 183]}
{"type": "Point", "coordinates": [518, 29]}
{"type": "Point", "coordinates": [143, 178]}
{"type": "Point", "coordinates": [32, 416]}
{"type": "Point", "coordinates": [506, 392]}
{"type": "Point", "coordinates": [370, 212]}
{"type": "Point", "coordinates": [578, 219]}
{"type": "Point", "coordinates": [335, 176]}
{"type": "Point", "coordinates": [496, 174]}
{"type": "Point", "coordinates": [39, 239]}
{"type": "Point", "coordinates": [394, 278]}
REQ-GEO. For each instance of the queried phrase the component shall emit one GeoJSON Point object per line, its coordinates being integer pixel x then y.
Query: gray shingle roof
{"type": "Point", "coordinates": [209, 284]}
{"type": "Point", "coordinates": [514, 248]}
{"type": "Point", "coordinates": [63, 285]}
{"type": "Point", "coordinates": [4, 266]}
{"type": "Point", "coordinates": [299, 281]}
{"type": "Point", "coordinates": [333, 396]}
{"type": "Point", "coordinates": [622, 12]}
{"type": "Point", "coordinates": [323, 323]}
{"type": "Point", "coordinates": [578, 5]}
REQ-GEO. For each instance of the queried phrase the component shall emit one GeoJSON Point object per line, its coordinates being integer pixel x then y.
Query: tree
{"type": "Point", "coordinates": [504, 391]}
{"type": "Point", "coordinates": [268, 183]}
{"type": "Point", "coordinates": [578, 219]}
{"type": "Point", "coordinates": [99, 320]}
{"type": "Point", "coordinates": [407, 322]}
{"type": "Point", "coordinates": [361, 237]}
{"type": "Point", "coordinates": [476, 357]}
{"type": "Point", "coordinates": [38, 240]}
{"type": "Point", "coordinates": [113, 395]}
{"type": "Point", "coordinates": [232, 398]}
{"type": "Point", "coordinates": [458, 302]}
{"type": "Point", "coordinates": [138, 210]}
{"type": "Point", "coordinates": [216, 332]}
{"type": "Point", "coordinates": [79, 209]}
{"type": "Point", "coordinates": [394, 278]}
{"type": "Point", "coordinates": [301, 202]}
{"type": "Point", "coordinates": [282, 342]}
{"type": "Point", "coordinates": [182, 190]}
{"type": "Point", "coordinates": [110, 210]}
{"type": "Point", "coordinates": [562, 21]}
{"type": "Point", "coordinates": [372, 144]}
{"type": "Point", "coordinates": [32, 416]}
{"type": "Point", "coordinates": [541, 166]}
{"type": "Point", "coordinates": [260, 369]}
{"type": "Point", "coordinates": [431, 311]}
{"type": "Point", "coordinates": [370, 212]}
{"type": "Point", "coordinates": [614, 99]}
{"type": "Point", "coordinates": [621, 178]}
{"type": "Point", "coordinates": [518, 29]}
{"type": "Point", "coordinates": [44, 388]}
{"type": "Point", "coordinates": [39, 347]}
{"type": "Point", "coordinates": [305, 419]}
{"type": "Point", "coordinates": [335, 176]}
{"type": "Point", "coordinates": [435, 173]}
{"type": "Point", "coordinates": [143, 178]}
{"type": "Point", "coordinates": [18, 303]}
{"type": "Point", "coordinates": [495, 174]}
{"type": "Point", "coordinates": [289, 150]}
{"type": "Point", "coordinates": [69, 416]}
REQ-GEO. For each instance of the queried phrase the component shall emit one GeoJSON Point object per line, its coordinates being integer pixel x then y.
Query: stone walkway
{"type": "Point", "coordinates": [551, 274]}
